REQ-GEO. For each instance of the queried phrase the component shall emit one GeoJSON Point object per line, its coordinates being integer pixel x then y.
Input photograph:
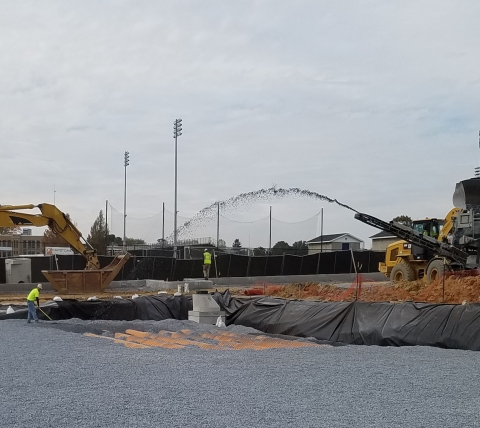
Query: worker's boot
{"type": "Point", "coordinates": [28, 321]}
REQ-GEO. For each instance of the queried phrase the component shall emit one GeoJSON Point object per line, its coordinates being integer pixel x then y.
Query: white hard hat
{"type": "Point", "coordinates": [39, 286]}
{"type": "Point", "coordinates": [205, 249]}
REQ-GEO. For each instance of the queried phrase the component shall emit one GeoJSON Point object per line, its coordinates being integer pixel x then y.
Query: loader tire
{"type": "Point", "coordinates": [435, 270]}
{"type": "Point", "coordinates": [402, 271]}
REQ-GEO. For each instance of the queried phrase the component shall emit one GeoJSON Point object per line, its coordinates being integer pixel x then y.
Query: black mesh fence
{"type": "Point", "coordinates": [310, 264]}
{"type": "Point", "coordinates": [39, 264]}
{"type": "Point", "coordinates": [274, 266]}
{"type": "Point", "coordinates": [360, 261]}
{"type": "Point", "coordinates": [375, 258]}
{"type": "Point", "coordinates": [182, 269]}
{"type": "Point", "coordinates": [327, 263]}
{"type": "Point", "coordinates": [343, 262]}
{"type": "Point", "coordinates": [3, 274]}
{"type": "Point", "coordinates": [292, 265]}
{"type": "Point", "coordinates": [238, 265]}
{"type": "Point", "coordinates": [258, 266]}
{"type": "Point", "coordinates": [223, 265]}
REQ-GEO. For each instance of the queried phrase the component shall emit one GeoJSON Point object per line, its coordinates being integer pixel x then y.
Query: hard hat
{"type": "Point", "coordinates": [39, 286]}
{"type": "Point", "coordinates": [205, 249]}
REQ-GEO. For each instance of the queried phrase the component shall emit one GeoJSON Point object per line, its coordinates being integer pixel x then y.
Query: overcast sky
{"type": "Point", "coordinates": [374, 103]}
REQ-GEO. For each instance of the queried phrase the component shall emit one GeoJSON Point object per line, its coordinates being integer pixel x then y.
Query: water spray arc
{"type": "Point", "coordinates": [245, 199]}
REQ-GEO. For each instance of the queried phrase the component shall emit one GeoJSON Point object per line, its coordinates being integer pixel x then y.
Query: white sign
{"type": "Point", "coordinates": [5, 248]}
{"type": "Point", "coordinates": [60, 251]}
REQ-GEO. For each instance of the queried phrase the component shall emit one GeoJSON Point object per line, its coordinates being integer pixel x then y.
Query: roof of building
{"type": "Point", "coordinates": [330, 238]}
{"type": "Point", "coordinates": [383, 234]}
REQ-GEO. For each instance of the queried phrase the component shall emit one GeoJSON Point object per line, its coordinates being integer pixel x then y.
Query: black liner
{"type": "Point", "coordinates": [359, 323]}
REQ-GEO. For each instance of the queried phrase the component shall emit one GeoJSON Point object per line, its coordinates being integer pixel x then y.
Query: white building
{"type": "Point", "coordinates": [335, 242]}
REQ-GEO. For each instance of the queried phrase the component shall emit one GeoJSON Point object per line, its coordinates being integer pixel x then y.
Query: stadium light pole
{"type": "Point", "coordinates": [126, 163]}
{"type": "Point", "coordinates": [177, 131]}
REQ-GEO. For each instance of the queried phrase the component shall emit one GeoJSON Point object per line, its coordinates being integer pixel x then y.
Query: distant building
{"type": "Point", "coordinates": [335, 242]}
{"type": "Point", "coordinates": [20, 245]}
{"type": "Point", "coordinates": [382, 240]}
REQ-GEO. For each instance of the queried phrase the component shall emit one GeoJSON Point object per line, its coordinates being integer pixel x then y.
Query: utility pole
{"type": "Point", "coordinates": [321, 233]}
{"type": "Point", "coordinates": [177, 131]}
{"type": "Point", "coordinates": [218, 224]}
{"type": "Point", "coordinates": [163, 224]}
{"type": "Point", "coordinates": [477, 169]}
{"type": "Point", "coordinates": [270, 237]}
{"type": "Point", "coordinates": [126, 163]}
{"type": "Point", "coordinates": [106, 227]}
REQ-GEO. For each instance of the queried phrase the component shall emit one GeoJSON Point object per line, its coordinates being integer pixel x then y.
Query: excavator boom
{"type": "Point", "coordinates": [92, 279]}
{"type": "Point", "coordinates": [56, 220]}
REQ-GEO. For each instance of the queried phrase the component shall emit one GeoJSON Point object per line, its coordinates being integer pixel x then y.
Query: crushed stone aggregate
{"type": "Point", "coordinates": [52, 376]}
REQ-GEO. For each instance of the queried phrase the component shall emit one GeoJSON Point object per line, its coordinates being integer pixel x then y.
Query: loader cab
{"type": "Point", "coordinates": [429, 227]}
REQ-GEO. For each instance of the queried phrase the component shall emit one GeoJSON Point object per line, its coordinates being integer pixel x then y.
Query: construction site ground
{"type": "Point", "coordinates": [454, 289]}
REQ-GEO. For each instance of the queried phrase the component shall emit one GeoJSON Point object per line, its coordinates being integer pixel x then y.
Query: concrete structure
{"type": "Point", "coordinates": [382, 240]}
{"type": "Point", "coordinates": [205, 309]}
{"type": "Point", "coordinates": [335, 242]}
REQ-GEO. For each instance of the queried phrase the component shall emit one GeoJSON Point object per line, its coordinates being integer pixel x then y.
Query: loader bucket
{"type": "Point", "coordinates": [467, 194]}
{"type": "Point", "coordinates": [85, 281]}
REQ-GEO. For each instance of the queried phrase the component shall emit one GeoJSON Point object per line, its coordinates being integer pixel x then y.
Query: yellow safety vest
{"type": "Point", "coordinates": [207, 258]}
{"type": "Point", "coordinates": [34, 294]}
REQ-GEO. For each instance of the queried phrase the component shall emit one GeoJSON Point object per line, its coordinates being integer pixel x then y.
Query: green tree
{"type": "Point", "coordinates": [134, 241]}
{"type": "Point", "coordinates": [300, 248]}
{"type": "Point", "coordinates": [259, 251]}
{"type": "Point", "coordinates": [280, 248]}
{"type": "Point", "coordinates": [97, 234]}
{"type": "Point", "coordinates": [15, 230]}
{"type": "Point", "coordinates": [404, 219]}
{"type": "Point", "coordinates": [237, 243]}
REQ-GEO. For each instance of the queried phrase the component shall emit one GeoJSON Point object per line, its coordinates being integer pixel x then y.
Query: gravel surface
{"type": "Point", "coordinates": [56, 378]}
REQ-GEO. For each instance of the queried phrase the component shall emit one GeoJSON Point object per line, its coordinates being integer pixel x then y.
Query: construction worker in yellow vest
{"type": "Point", "coordinates": [207, 261]}
{"type": "Point", "coordinates": [34, 295]}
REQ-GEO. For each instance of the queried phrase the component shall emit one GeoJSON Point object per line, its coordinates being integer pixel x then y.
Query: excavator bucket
{"type": "Point", "coordinates": [85, 281]}
{"type": "Point", "coordinates": [467, 194]}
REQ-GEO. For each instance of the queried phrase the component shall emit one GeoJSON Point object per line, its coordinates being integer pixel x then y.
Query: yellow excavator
{"type": "Point", "coordinates": [91, 280]}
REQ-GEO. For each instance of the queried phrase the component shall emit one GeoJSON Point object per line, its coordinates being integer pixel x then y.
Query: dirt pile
{"type": "Point", "coordinates": [453, 289]}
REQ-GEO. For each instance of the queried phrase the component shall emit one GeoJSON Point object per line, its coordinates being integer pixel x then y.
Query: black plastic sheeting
{"type": "Point", "coordinates": [359, 323]}
{"type": "Point", "coordinates": [143, 308]}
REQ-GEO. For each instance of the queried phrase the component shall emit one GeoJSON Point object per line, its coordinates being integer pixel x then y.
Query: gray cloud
{"type": "Point", "coordinates": [372, 103]}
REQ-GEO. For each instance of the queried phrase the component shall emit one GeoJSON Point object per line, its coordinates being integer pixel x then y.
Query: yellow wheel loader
{"type": "Point", "coordinates": [406, 263]}
{"type": "Point", "coordinates": [432, 246]}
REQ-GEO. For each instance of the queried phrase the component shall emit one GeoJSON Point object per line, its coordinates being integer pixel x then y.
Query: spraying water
{"type": "Point", "coordinates": [245, 199]}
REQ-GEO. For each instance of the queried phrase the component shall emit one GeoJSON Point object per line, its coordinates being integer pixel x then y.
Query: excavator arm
{"type": "Point", "coordinates": [56, 220]}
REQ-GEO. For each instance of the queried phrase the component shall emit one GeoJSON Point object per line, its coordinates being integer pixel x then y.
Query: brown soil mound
{"type": "Point", "coordinates": [452, 290]}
